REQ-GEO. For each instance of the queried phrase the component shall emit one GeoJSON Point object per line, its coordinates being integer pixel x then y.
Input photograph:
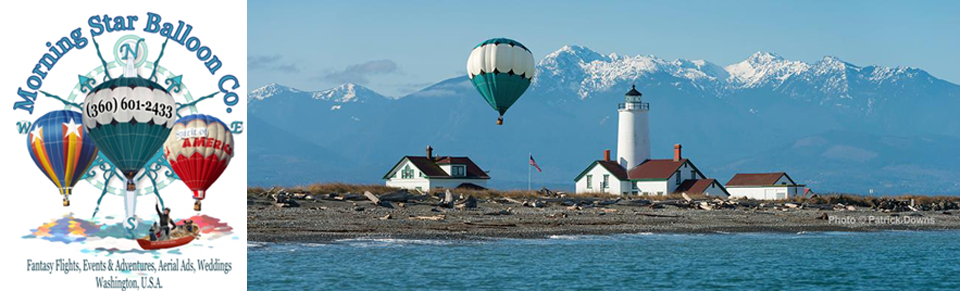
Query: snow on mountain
{"type": "Point", "coordinates": [762, 69]}
{"type": "Point", "coordinates": [348, 92]}
{"type": "Point", "coordinates": [344, 93]}
{"type": "Point", "coordinates": [269, 90]}
{"type": "Point", "coordinates": [830, 81]}
{"type": "Point", "coordinates": [585, 72]}
{"type": "Point", "coordinates": [579, 71]}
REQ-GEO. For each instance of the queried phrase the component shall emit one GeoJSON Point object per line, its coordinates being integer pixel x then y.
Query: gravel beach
{"type": "Point", "coordinates": [329, 220]}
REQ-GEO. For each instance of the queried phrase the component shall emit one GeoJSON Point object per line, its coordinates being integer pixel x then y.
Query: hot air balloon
{"type": "Point", "coordinates": [61, 149]}
{"type": "Point", "coordinates": [501, 69]}
{"type": "Point", "coordinates": [199, 149]}
{"type": "Point", "coordinates": [129, 118]}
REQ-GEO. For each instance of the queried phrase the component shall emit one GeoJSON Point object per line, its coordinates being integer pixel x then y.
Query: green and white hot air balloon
{"type": "Point", "coordinates": [128, 119]}
{"type": "Point", "coordinates": [501, 69]}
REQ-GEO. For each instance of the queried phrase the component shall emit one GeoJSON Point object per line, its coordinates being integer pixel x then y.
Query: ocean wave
{"type": "Point", "coordinates": [572, 236]}
{"type": "Point", "coordinates": [384, 242]}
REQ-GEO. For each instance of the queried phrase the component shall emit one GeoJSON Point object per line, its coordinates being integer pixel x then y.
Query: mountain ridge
{"type": "Point", "coordinates": [729, 120]}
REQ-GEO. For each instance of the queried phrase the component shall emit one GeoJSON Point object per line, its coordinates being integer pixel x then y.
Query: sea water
{"type": "Point", "coordinates": [815, 260]}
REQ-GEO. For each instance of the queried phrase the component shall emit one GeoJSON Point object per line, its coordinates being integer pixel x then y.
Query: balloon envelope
{"type": "Point", "coordinates": [501, 69]}
{"type": "Point", "coordinates": [61, 148]}
{"type": "Point", "coordinates": [129, 118]}
{"type": "Point", "coordinates": [199, 149]}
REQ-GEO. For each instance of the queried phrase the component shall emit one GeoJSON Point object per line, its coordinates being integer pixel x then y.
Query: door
{"type": "Point", "coordinates": [769, 194]}
{"type": "Point", "coordinates": [781, 194]}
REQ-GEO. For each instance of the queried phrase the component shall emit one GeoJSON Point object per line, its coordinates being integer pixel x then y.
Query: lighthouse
{"type": "Point", "coordinates": [633, 135]}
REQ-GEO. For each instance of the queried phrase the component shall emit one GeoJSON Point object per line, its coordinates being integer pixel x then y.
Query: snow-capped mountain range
{"type": "Point", "coordinates": [755, 115]}
{"type": "Point", "coordinates": [345, 93]}
{"type": "Point", "coordinates": [582, 71]}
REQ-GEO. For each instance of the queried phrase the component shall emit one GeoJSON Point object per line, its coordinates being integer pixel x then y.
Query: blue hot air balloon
{"type": "Point", "coordinates": [62, 149]}
{"type": "Point", "coordinates": [501, 69]}
{"type": "Point", "coordinates": [129, 118]}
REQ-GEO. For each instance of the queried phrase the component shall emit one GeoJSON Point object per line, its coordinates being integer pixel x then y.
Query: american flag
{"type": "Point", "coordinates": [534, 164]}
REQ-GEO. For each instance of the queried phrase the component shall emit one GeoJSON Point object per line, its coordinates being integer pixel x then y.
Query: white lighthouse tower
{"type": "Point", "coordinates": [633, 137]}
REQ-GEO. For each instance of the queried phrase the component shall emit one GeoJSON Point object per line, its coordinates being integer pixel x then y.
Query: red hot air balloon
{"type": "Point", "coordinates": [199, 149]}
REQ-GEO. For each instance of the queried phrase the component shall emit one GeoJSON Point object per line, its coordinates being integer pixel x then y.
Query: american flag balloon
{"type": "Point", "coordinates": [199, 148]}
{"type": "Point", "coordinates": [62, 149]}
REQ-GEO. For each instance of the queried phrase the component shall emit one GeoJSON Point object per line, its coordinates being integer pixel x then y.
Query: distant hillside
{"type": "Point", "coordinates": [869, 127]}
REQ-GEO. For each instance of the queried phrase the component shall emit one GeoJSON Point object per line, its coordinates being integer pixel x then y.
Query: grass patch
{"type": "Point", "coordinates": [343, 188]}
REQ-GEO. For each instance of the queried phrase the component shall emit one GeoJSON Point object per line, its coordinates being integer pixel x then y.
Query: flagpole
{"type": "Point", "coordinates": [529, 171]}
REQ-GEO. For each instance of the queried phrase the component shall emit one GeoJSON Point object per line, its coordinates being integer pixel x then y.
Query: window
{"type": "Point", "coordinates": [678, 177]}
{"type": "Point", "coordinates": [458, 170]}
{"type": "Point", "coordinates": [406, 173]}
{"type": "Point", "coordinates": [589, 181]}
{"type": "Point", "coordinates": [693, 174]}
{"type": "Point", "coordinates": [606, 181]}
{"type": "Point", "coordinates": [635, 186]}
{"type": "Point", "coordinates": [659, 192]}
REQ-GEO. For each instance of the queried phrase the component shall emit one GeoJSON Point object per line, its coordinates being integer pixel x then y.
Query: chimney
{"type": "Point", "coordinates": [676, 153]}
{"type": "Point", "coordinates": [429, 153]}
{"type": "Point", "coordinates": [606, 155]}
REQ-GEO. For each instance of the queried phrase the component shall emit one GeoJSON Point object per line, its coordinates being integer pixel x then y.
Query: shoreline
{"type": "Point", "coordinates": [325, 221]}
{"type": "Point", "coordinates": [330, 240]}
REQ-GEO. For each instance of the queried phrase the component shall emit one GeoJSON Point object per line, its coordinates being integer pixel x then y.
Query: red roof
{"type": "Point", "coordinates": [656, 169]}
{"type": "Point", "coordinates": [694, 186]}
{"type": "Point", "coordinates": [611, 166]}
{"type": "Point", "coordinates": [431, 168]}
{"type": "Point", "coordinates": [614, 168]}
{"type": "Point", "coordinates": [756, 179]}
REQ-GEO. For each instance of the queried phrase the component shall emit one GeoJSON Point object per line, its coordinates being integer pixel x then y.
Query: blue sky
{"type": "Point", "coordinates": [396, 47]}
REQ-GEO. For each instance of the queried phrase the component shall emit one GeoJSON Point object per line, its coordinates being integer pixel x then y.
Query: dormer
{"type": "Point", "coordinates": [452, 169]}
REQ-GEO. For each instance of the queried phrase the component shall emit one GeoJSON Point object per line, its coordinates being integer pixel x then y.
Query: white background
{"type": "Point", "coordinates": [32, 200]}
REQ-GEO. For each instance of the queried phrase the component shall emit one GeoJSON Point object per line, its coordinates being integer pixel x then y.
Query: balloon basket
{"type": "Point", "coordinates": [500, 121]}
{"type": "Point", "coordinates": [196, 206]}
{"type": "Point", "coordinates": [66, 202]}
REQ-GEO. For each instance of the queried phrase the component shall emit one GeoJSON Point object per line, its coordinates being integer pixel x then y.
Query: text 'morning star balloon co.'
{"type": "Point", "coordinates": [501, 69]}
{"type": "Point", "coordinates": [199, 149]}
{"type": "Point", "coordinates": [61, 149]}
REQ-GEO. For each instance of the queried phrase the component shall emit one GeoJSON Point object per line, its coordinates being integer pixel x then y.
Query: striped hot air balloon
{"type": "Point", "coordinates": [199, 149]}
{"type": "Point", "coordinates": [501, 69]}
{"type": "Point", "coordinates": [61, 149]}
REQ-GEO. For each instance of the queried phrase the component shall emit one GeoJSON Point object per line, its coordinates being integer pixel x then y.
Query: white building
{"type": "Point", "coordinates": [428, 172]}
{"type": "Point", "coordinates": [764, 186]}
{"type": "Point", "coordinates": [651, 177]}
{"type": "Point", "coordinates": [634, 172]}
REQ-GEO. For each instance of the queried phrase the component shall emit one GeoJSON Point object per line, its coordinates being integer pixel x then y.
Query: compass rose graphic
{"type": "Point", "coordinates": [129, 53]}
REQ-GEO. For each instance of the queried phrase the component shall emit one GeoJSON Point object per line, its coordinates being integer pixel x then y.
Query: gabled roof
{"type": "Point", "coordinates": [611, 166]}
{"type": "Point", "coordinates": [757, 179]}
{"type": "Point", "coordinates": [697, 186]}
{"type": "Point", "coordinates": [660, 169]}
{"type": "Point", "coordinates": [431, 167]}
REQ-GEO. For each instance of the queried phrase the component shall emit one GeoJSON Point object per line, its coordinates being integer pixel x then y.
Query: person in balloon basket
{"type": "Point", "coordinates": [153, 231]}
{"type": "Point", "coordinates": [165, 221]}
